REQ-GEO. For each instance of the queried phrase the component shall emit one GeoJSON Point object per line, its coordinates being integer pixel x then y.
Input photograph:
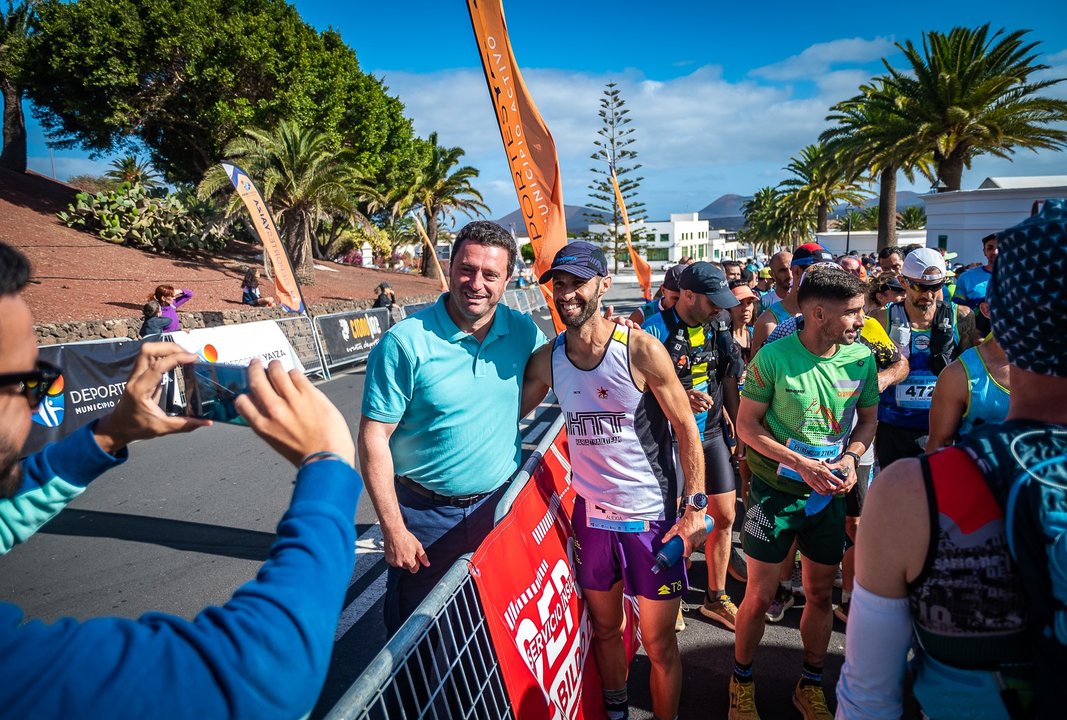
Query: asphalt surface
{"type": "Point", "coordinates": [190, 518]}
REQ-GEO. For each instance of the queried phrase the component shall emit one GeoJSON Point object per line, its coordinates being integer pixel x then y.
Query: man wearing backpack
{"type": "Point", "coordinates": [972, 577]}
{"type": "Point", "coordinates": [931, 334]}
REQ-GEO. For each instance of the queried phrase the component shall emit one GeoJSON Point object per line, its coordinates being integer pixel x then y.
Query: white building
{"type": "Point", "coordinates": [840, 242]}
{"type": "Point", "coordinates": [959, 220]}
{"type": "Point", "coordinates": [664, 242]}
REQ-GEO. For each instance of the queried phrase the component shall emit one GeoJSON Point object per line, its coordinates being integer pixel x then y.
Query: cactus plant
{"type": "Point", "coordinates": [130, 215]}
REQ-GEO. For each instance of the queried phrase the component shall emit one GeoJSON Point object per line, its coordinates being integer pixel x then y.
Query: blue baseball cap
{"type": "Point", "coordinates": [580, 258]}
{"type": "Point", "coordinates": [809, 254]}
{"type": "Point", "coordinates": [707, 279]}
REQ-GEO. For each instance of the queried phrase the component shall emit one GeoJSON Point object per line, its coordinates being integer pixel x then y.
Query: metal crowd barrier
{"type": "Point", "coordinates": [441, 663]}
{"type": "Point", "coordinates": [522, 477]}
{"type": "Point", "coordinates": [301, 334]}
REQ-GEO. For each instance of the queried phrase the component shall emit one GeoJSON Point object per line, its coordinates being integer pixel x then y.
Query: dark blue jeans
{"type": "Point", "coordinates": [446, 533]}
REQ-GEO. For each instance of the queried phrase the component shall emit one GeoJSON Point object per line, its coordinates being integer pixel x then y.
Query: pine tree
{"type": "Point", "coordinates": [613, 149]}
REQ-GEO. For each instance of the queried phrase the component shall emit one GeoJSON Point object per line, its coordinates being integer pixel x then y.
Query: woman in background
{"type": "Point", "coordinates": [250, 290]}
{"type": "Point", "coordinates": [169, 302]}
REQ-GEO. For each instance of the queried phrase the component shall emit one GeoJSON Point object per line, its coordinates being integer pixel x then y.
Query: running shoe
{"type": "Point", "coordinates": [738, 566]}
{"type": "Point", "coordinates": [811, 702]}
{"type": "Point", "coordinates": [796, 580]}
{"type": "Point", "coordinates": [783, 600]}
{"type": "Point", "coordinates": [742, 700]}
{"type": "Point", "coordinates": [721, 610]}
{"type": "Point", "coordinates": [841, 611]}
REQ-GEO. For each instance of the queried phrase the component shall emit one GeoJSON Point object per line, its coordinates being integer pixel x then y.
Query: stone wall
{"type": "Point", "coordinates": [70, 332]}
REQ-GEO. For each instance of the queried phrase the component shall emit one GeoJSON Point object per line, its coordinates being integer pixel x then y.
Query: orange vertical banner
{"type": "Point", "coordinates": [285, 284]}
{"type": "Point", "coordinates": [641, 266]}
{"type": "Point", "coordinates": [528, 144]}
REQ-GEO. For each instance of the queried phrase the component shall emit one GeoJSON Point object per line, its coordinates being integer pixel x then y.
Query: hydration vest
{"type": "Point", "coordinates": [1005, 485]}
{"type": "Point", "coordinates": [944, 332]}
{"type": "Point", "coordinates": [907, 404]}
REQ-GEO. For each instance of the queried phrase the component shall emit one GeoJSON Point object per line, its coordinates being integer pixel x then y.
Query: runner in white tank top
{"type": "Point", "coordinates": [620, 395]}
{"type": "Point", "coordinates": [621, 447]}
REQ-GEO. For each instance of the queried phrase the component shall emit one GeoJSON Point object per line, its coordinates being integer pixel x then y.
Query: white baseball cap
{"type": "Point", "coordinates": [924, 265]}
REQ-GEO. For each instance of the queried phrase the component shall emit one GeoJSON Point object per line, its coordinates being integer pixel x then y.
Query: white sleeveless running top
{"type": "Point", "coordinates": [621, 445]}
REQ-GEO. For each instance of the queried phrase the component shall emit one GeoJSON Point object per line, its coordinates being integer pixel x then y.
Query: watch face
{"type": "Point", "coordinates": [697, 500]}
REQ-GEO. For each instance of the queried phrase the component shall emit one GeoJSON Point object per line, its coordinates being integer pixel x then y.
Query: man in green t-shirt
{"type": "Point", "coordinates": [800, 397]}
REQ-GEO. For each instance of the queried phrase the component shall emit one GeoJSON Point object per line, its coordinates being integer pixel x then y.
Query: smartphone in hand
{"type": "Point", "coordinates": [210, 391]}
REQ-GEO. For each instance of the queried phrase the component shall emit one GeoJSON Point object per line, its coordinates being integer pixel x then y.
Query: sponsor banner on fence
{"type": "Point", "coordinates": [350, 336]}
{"type": "Point", "coordinates": [240, 344]}
{"type": "Point", "coordinates": [93, 378]}
{"type": "Point", "coordinates": [524, 573]}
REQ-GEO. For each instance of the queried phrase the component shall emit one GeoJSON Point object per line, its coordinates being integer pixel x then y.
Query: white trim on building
{"type": "Point", "coordinates": [664, 242]}
{"type": "Point", "coordinates": [959, 220]}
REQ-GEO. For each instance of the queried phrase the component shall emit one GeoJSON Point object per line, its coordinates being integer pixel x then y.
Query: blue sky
{"type": "Point", "coordinates": [721, 95]}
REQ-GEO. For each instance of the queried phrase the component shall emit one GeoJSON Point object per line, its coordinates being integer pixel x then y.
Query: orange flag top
{"type": "Point", "coordinates": [641, 267]}
{"type": "Point", "coordinates": [528, 144]}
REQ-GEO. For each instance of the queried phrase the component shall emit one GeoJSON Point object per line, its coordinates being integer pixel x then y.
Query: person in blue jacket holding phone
{"type": "Point", "coordinates": [263, 654]}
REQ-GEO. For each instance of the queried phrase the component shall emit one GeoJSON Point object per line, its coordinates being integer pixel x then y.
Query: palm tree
{"type": "Point", "coordinates": [389, 209]}
{"type": "Point", "coordinates": [131, 169]}
{"type": "Point", "coordinates": [762, 229]}
{"type": "Point", "coordinates": [441, 189]}
{"type": "Point", "coordinates": [819, 183]}
{"type": "Point", "coordinates": [15, 28]}
{"type": "Point", "coordinates": [863, 219]}
{"type": "Point", "coordinates": [870, 137]}
{"type": "Point", "coordinates": [968, 93]}
{"type": "Point", "coordinates": [303, 180]}
{"type": "Point", "coordinates": [794, 217]}
{"type": "Point", "coordinates": [912, 217]}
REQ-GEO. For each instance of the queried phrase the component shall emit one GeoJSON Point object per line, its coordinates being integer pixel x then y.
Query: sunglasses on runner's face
{"type": "Point", "coordinates": [33, 384]}
{"type": "Point", "coordinates": [926, 287]}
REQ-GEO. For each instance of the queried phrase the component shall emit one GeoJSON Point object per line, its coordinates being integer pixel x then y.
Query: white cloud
{"type": "Point", "coordinates": [821, 57]}
{"type": "Point", "coordinates": [698, 136]}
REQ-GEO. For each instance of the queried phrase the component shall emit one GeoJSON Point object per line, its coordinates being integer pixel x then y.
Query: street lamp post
{"type": "Point", "coordinates": [848, 234]}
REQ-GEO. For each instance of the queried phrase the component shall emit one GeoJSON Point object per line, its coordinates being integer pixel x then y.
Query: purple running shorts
{"type": "Point", "coordinates": [603, 557]}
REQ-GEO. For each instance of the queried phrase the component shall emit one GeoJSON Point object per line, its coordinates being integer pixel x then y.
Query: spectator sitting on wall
{"type": "Point", "coordinates": [386, 297]}
{"type": "Point", "coordinates": [250, 290]}
{"type": "Point", "coordinates": [154, 322]}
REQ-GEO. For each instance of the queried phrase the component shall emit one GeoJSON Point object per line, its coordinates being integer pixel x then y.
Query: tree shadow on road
{"type": "Point", "coordinates": [176, 534]}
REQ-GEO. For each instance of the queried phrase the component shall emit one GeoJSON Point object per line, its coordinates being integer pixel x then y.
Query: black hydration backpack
{"type": "Point", "coordinates": [1025, 464]}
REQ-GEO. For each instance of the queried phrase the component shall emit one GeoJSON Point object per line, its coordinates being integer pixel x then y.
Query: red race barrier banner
{"type": "Point", "coordinates": [524, 572]}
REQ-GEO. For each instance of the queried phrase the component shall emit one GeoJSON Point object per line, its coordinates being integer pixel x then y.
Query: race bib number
{"type": "Point", "coordinates": [603, 519]}
{"type": "Point", "coordinates": [815, 452]}
{"type": "Point", "coordinates": [916, 392]}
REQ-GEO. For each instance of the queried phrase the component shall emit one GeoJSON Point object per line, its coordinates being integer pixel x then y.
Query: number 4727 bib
{"type": "Point", "coordinates": [916, 391]}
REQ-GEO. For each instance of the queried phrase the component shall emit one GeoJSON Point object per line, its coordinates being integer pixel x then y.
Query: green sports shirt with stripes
{"type": "Point", "coordinates": [811, 402]}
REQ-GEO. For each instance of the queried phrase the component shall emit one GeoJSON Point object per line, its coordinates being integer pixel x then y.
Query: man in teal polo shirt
{"type": "Point", "coordinates": [442, 400]}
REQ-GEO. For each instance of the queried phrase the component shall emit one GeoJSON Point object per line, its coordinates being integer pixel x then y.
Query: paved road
{"type": "Point", "coordinates": [189, 518]}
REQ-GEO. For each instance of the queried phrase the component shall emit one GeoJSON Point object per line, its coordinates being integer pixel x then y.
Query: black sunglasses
{"type": "Point", "coordinates": [926, 287]}
{"type": "Point", "coordinates": [33, 384]}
